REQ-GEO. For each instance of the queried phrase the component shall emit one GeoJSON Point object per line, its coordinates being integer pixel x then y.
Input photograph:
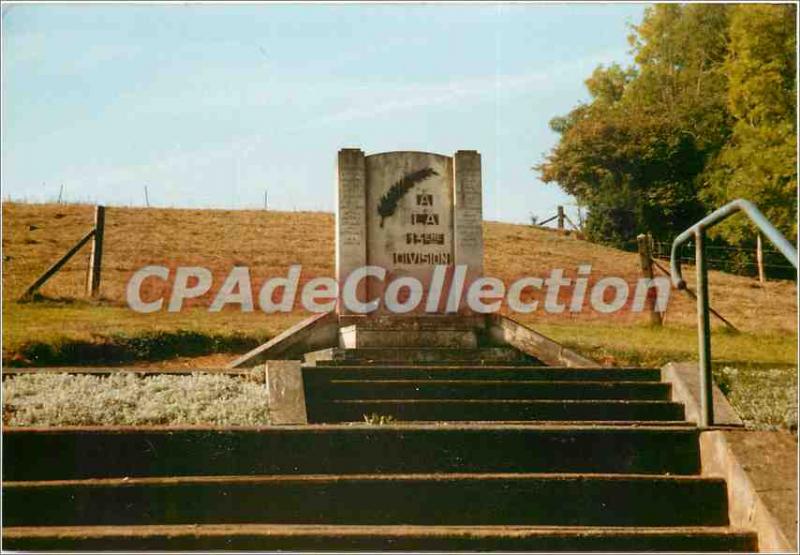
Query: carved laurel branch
{"type": "Point", "coordinates": [388, 203]}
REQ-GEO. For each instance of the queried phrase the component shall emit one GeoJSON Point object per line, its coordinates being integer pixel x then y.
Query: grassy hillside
{"type": "Point", "coordinates": [66, 327]}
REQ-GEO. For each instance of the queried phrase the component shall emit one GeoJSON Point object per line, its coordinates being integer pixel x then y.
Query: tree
{"type": "Point", "coordinates": [680, 52]}
{"type": "Point", "coordinates": [706, 114]}
{"type": "Point", "coordinates": [632, 172]}
{"type": "Point", "coordinates": [759, 161]}
{"type": "Point", "coordinates": [633, 153]}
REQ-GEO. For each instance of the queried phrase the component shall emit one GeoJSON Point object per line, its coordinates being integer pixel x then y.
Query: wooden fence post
{"type": "Point", "coordinates": [560, 217]}
{"type": "Point", "coordinates": [760, 258]}
{"type": "Point", "coordinates": [692, 294]}
{"type": "Point", "coordinates": [96, 259]}
{"type": "Point", "coordinates": [646, 260]}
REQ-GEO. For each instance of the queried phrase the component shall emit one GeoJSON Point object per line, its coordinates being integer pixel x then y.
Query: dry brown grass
{"type": "Point", "coordinates": [267, 242]}
{"type": "Point", "coordinates": [35, 235]}
{"type": "Point", "coordinates": [515, 250]}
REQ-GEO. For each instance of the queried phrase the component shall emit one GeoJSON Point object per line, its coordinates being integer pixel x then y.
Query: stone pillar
{"type": "Point", "coordinates": [468, 212]}
{"type": "Point", "coordinates": [286, 399]}
{"type": "Point", "coordinates": [351, 216]}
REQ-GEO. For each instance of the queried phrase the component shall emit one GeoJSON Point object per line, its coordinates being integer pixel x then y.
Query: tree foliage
{"type": "Point", "coordinates": [705, 114]}
{"type": "Point", "coordinates": [759, 161]}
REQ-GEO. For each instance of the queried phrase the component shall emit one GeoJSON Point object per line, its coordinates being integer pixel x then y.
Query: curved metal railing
{"type": "Point", "coordinates": [697, 231]}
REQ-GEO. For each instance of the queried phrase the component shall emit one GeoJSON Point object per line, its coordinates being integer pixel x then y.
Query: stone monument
{"type": "Point", "coordinates": [408, 212]}
{"type": "Point", "coordinates": [412, 214]}
{"type": "Point", "coordinates": [415, 216]}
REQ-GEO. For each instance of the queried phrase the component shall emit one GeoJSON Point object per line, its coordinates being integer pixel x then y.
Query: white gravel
{"type": "Point", "coordinates": [131, 399]}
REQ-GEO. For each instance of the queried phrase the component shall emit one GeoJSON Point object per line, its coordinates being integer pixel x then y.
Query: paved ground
{"type": "Point", "coordinates": [770, 459]}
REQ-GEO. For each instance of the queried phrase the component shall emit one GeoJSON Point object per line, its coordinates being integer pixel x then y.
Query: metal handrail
{"type": "Point", "coordinates": [703, 327]}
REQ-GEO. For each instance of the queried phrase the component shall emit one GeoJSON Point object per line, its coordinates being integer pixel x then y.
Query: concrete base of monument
{"type": "Point", "coordinates": [354, 337]}
{"type": "Point", "coordinates": [445, 332]}
{"type": "Point", "coordinates": [398, 356]}
{"type": "Point", "coordinates": [492, 338]}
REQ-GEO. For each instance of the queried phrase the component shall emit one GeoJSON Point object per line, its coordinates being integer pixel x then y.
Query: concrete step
{"type": "Point", "coordinates": [483, 389]}
{"type": "Point", "coordinates": [594, 424]}
{"type": "Point", "coordinates": [418, 355]}
{"type": "Point", "coordinates": [360, 337]}
{"type": "Point", "coordinates": [355, 410]}
{"type": "Point", "coordinates": [443, 499]}
{"type": "Point", "coordinates": [414, 323]}
{"type": "Point", "coordinates": [433, 363]}
{"type": "Point", "coordinates": [270, 537]}
{"type": "Point", "coordinates": [347, 449]}
{"type": "Point", "coordinates": [334, 370]}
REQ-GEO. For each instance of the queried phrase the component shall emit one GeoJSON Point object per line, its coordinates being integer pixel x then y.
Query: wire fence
{"type": "Point", "coordinates": [726, 258]}
{"type": "Point", "coordinates": [731, 259]}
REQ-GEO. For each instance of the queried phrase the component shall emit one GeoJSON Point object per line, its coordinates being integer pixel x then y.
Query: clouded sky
{"type": "Point", "coordinates": [209, 105]}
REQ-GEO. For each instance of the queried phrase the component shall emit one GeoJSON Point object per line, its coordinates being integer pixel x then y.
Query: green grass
{"type": "Point", "coordinates": [53, 333]}
{"type": "Point", "coordinates": [643, 345]}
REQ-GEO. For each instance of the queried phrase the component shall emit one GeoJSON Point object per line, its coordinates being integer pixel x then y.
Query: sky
{"type": "Point", "coordinates": [209, 106]}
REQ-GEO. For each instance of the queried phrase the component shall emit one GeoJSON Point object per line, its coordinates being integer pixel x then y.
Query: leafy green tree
{"type": "Point", "coordinates": [633, 153]}
{"type": "Point", "coordinates": [680, 52]}
{"type": "Point", "coordinates": [759, 162]}
{"type": "Point", "coordinates": [705, 114]}
{"type": "Point", "coordinates": [633, 173]}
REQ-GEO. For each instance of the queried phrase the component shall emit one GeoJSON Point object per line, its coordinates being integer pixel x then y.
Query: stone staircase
{"type": "Point", "coordinates": [496, 453]}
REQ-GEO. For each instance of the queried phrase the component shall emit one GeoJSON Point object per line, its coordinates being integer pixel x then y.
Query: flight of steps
{"type": "Point", "coordinates": [473, 455]}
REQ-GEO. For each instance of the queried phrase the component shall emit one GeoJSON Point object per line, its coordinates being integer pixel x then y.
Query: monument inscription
{"type": "Point", "coordinates": [408, 212]}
